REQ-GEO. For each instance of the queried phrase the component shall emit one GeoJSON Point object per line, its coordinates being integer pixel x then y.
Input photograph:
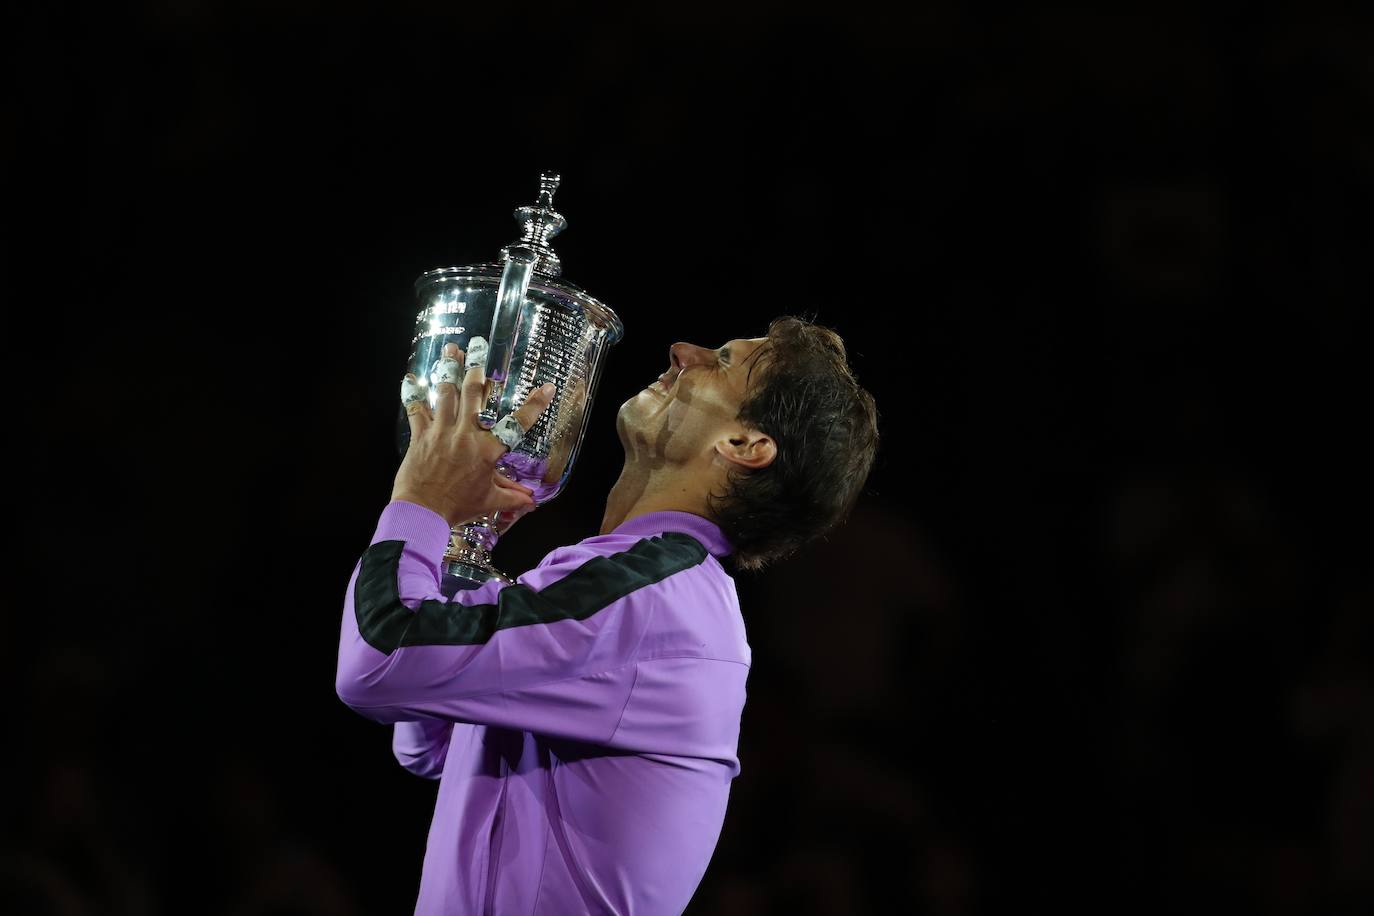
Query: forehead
{"type": "Point", "coordinates": [740, 352]}
{"type": "Point", "coordinates": [741, 347]}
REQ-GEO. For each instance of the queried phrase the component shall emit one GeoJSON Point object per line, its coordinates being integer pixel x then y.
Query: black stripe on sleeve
{"type": "Point", "coordinates": [387, 624]}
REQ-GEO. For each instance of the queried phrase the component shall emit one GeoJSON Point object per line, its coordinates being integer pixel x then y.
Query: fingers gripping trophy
{"type": "Point", "coordinates": [503, 366]}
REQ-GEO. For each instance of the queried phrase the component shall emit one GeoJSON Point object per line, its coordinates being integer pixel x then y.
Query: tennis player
{"type": "Point", "coordinates": [583, 723]}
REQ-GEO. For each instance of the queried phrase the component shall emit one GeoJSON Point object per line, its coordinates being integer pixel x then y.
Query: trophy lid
{"type": "Point", "coordinates": [538, 224]}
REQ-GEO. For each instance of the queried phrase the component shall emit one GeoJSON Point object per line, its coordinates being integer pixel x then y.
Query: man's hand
{"type": "Point", "coordinates": [450, 467]}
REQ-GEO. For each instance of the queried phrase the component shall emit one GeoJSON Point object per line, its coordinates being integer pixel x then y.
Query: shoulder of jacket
{"type": "Point", "coordinates": [674, 545]}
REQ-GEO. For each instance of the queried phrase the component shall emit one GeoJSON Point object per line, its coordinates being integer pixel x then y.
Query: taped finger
{"type": "Point", "coordinates": [446, 375]}
{"type": "Point", "coordinates": [412, 391]}
{"type": "Point", "coordinates": [509, 431]}
{"type": "Point", "coordinates": [475, 381]}
{"type": "Point", "coordinates": [447, 369]}
{"type": "Point", "coordinates": [477, 353]}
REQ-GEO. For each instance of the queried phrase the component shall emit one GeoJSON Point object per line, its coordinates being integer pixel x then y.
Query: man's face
{"type": "Point", "coordinates": [682, 416]}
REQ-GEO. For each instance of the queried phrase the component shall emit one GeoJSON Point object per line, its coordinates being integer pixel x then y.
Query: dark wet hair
{"type": "Point", "coordinates": [801, 392]}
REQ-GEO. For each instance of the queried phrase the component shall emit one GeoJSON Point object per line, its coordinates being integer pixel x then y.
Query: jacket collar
{"type": "Point", "coordinates": [703, 529]}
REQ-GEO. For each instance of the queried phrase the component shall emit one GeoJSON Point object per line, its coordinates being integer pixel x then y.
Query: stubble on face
{"type": "Point", "coordinates": [646, 429]}
{"type": "Point", "coordinates": [679, 426]}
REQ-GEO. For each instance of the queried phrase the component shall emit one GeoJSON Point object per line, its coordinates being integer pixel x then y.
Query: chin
{"type": "Point", "coordinates": [632, 420]}
{"type": "Point", "coordinates": [631, 407]}
{"type": "Point", "coordinates": [622, 420]}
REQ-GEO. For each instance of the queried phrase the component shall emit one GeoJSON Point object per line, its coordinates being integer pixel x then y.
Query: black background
{"type": "Point", "coordinates": [1098, 633]}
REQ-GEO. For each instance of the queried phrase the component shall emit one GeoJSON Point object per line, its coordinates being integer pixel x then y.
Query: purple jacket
{"type": "Point", "coordinates": [583, 722]}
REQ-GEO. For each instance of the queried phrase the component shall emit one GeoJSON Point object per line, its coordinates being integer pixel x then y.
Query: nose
{"type": "Point", "coordinates": [685, 354]}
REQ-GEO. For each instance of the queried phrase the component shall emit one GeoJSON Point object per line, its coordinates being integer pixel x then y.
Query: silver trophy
{"type": "Point", "coordinates": [540, 329]}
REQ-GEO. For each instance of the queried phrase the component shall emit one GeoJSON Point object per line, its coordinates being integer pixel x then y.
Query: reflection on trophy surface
{"type": "Point", "coordinates": [539, 329]}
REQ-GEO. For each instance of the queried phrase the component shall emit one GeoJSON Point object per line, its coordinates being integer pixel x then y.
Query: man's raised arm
{"type": "Point", "coordinates": [553, 653]}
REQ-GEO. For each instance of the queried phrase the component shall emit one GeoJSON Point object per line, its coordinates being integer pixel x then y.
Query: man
{"type": "Point", "coordinates": [584, 722]}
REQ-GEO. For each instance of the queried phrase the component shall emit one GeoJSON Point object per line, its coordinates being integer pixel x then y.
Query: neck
{"type": "Point", "coordinates": [640, 491]}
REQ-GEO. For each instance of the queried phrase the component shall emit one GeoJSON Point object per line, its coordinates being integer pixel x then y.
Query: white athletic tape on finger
{"type": "Point", "coordinates": [447, 369]}
{"type": "Point", "coordinates": [412, 392]}
{"type": "Point", "coordinates": [509, 431]}
{"type": "Point", "coordinates": [477, 352]}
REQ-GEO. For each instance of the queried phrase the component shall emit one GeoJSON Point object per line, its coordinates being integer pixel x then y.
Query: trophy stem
{"type": "Point", "coordinates": [468, 558]}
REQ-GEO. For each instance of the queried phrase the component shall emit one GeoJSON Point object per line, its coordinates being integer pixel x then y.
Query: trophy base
{"type": "Point", "coordinates": [467, 562]}
{"type": "Point", "coordinates": [469, 576]}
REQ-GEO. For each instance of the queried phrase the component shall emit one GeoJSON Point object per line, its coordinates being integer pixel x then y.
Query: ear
{"type": "Point", "coordinates": [747, 448]}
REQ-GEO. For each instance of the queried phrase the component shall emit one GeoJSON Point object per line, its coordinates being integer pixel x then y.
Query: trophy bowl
{"type": "Point", "coordinates": [539, 329]}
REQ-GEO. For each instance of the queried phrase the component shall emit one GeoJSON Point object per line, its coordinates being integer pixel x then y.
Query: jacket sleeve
{"type": "Point", "coordinates": [553, 653]}
{"type": "Point", "coordinates": [422, 746]}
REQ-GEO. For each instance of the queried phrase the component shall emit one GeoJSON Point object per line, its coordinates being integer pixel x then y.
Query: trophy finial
{"type": "Point", "coordinates": [539, 224]}
{"type": "Point", "coordinates": [548, 183]}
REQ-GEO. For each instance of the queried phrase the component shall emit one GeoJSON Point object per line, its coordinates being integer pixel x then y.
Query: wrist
{"type": "Point", "coordinates": [421, 501]}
